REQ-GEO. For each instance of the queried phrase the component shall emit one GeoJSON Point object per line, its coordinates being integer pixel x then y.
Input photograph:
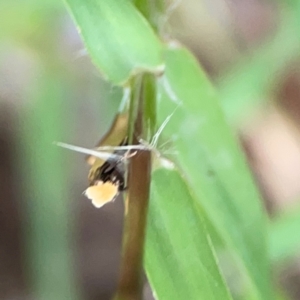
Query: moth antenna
{"type": "Point", "coordinates": [126, 147]}
{"type": "Point", "coordinates": [102, 155]}
{"type": "Point", "coordinates": [161, 128]}
{"type": "Point", "coordinates": [168, 12]}
{"type": "Point", "coordinates": [159, 131]}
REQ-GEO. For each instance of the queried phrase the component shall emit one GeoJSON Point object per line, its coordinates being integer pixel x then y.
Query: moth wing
{"type": "Point", "coordinates": [102, 193]}
{"type": "Point", "coordinates": [114, 136]}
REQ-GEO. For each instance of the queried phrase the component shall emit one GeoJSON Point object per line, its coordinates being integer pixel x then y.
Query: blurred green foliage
{"type": "Point", "coordinates": [201, 195]}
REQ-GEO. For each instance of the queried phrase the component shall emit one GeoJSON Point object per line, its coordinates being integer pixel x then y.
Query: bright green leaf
{"type": "Point", "coordinates": [213, 166]}
{"type": "Point", "coordinates": [179, 260]}
{"type": "Point", "coordinates": [284, 236]}
{"type": "Point", "coordinates": [119, 39]}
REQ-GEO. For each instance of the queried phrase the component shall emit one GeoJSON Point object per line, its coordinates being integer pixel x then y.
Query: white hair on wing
{"type": "Point", "coordinates": [104, 152]}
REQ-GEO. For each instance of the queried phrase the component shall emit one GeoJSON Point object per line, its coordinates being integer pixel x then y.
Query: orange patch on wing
{"type": "Point", "coordinates": [102, 193]}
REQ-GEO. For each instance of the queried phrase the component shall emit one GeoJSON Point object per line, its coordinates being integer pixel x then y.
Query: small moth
{"type": "Point", "coordinates": [108, 180]}
{"type": "Point", "coordinates": [107, 176]}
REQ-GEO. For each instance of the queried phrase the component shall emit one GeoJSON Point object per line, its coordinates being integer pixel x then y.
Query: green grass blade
{"type": "Point", "coordinates": [247, 85]}
{"type": "Point", "coordinates": [48, 230]}
{"type": "Point", "coordinates": [119, 39]}
{"type": "Point", "coordinates": [284, 236]}
{"type": "Point", "coordinates": [214, 167]}
{"type": "Point", "coordinates": [179, 260]}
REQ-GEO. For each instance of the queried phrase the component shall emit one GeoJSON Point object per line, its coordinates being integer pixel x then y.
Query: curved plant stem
{"type": "Point", "coordinates": [130, 282]}
{"type": "Point", "coordinates": [139, 175]}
